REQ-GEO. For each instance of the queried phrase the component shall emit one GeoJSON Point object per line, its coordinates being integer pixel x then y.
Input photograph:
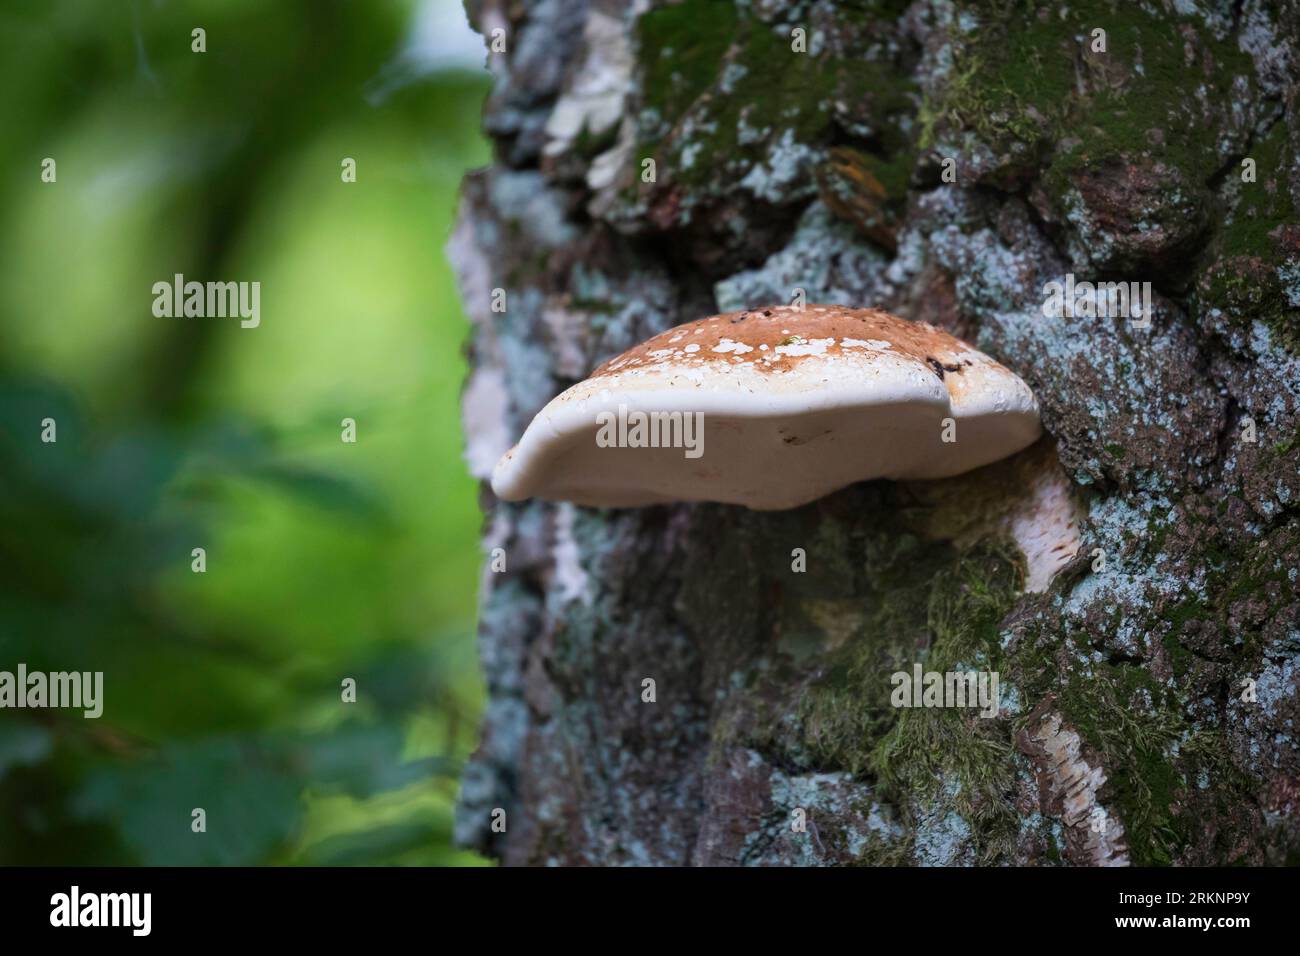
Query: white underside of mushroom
{"type": "Point", "coordinates": [771, 439]}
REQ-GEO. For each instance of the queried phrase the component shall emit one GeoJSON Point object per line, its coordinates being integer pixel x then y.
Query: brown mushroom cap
{"type": "Point", "coordinates": [794, 403]}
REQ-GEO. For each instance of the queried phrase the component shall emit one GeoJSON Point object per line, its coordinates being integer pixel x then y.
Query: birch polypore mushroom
{"type": "Point", "coordinates": [771, 408]}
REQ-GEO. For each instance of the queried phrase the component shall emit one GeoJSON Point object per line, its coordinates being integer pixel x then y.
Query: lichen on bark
{"type": "Point", "coordinates": [1150, 688]}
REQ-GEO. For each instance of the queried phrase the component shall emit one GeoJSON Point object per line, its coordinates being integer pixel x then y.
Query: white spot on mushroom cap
{"type": "Point", "coordinates": [727, 345]}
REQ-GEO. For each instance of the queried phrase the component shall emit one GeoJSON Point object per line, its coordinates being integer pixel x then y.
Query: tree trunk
{"type": "Point", "coordinates": [1131, 580]}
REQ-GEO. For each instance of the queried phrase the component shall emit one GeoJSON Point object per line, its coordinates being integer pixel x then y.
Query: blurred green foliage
{"type": "Point", "coordinates": [325, 560]}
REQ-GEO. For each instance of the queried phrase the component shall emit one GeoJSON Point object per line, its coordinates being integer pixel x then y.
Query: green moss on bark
{"type": "Point", "coordinates": [725, 87]}
{"type": "Point", "coordinates": [1016, 80]}
{"type": "Point", "coordinates": [939, 607]}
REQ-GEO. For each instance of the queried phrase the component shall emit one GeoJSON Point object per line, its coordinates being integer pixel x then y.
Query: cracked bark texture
{"type": "Point", "coordinates": [1151, 684]}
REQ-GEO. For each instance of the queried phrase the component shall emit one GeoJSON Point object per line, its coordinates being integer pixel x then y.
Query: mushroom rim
{"type": "Point", "coordinates": [572, 414]}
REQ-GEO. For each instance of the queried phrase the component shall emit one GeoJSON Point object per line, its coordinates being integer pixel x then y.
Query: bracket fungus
{"type": "Point", "coordinates": [771, 408]}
